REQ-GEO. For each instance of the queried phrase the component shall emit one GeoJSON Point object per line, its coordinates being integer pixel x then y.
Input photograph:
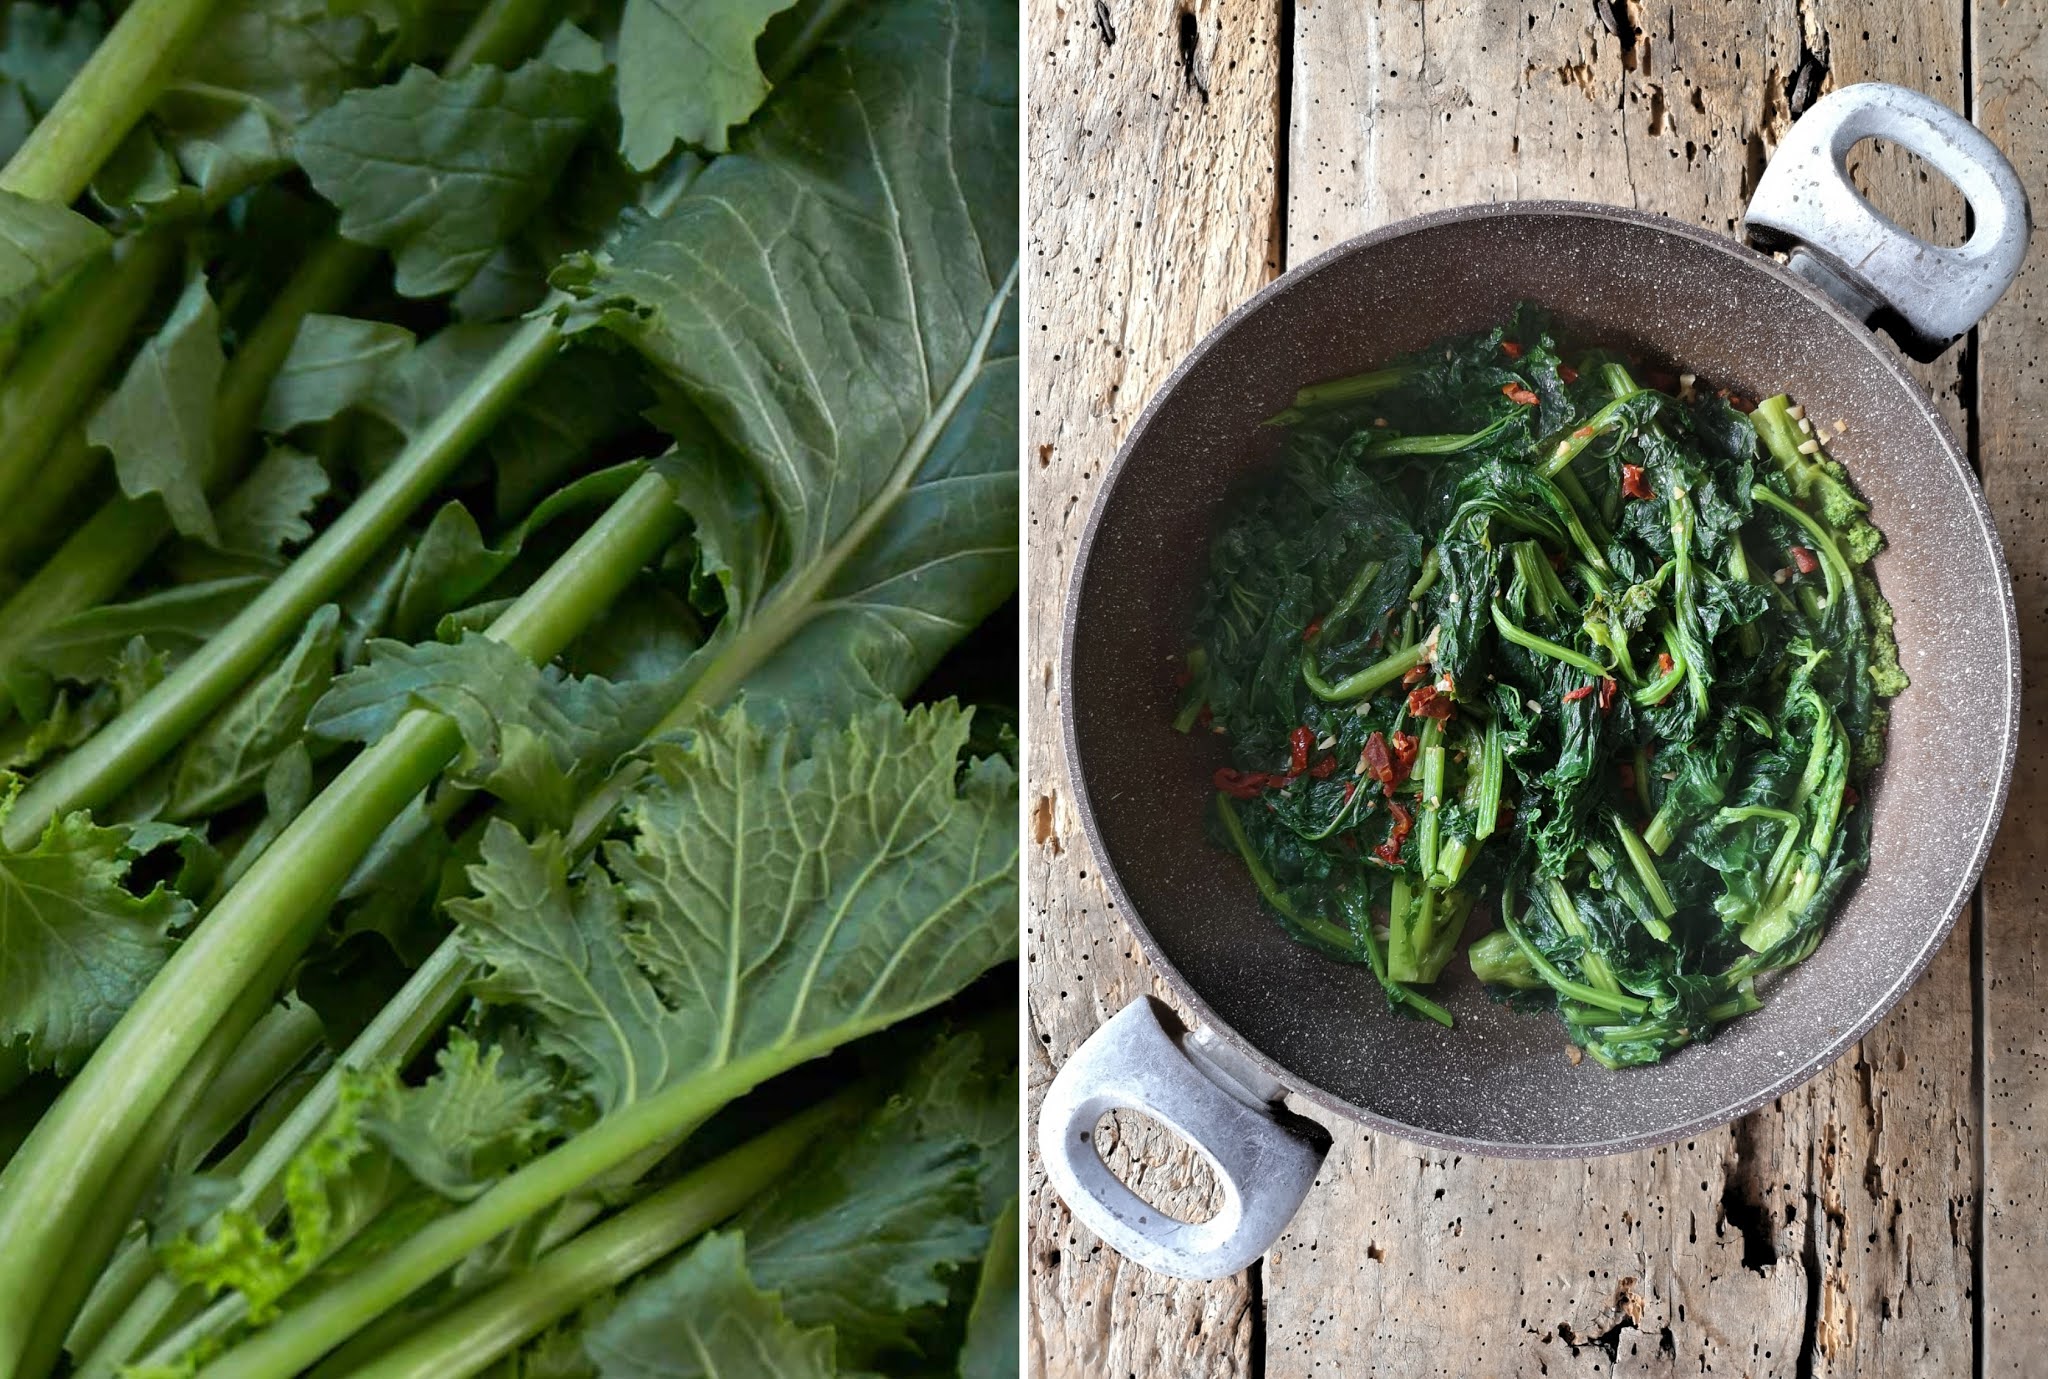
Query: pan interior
{"type": "Point", "coordinates": [1501, 1082]}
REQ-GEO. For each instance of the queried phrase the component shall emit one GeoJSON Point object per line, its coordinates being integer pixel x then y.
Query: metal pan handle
{"type": "Point", "coordinates": [1924, 294]}
{"type": "Point", "coordinates": [1264, 1156]}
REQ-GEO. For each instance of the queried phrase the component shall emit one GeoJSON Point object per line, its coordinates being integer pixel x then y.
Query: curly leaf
{"type": "Point", "coordinates": [705, 1319]}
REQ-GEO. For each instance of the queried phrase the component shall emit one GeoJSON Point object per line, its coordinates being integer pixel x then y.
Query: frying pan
{"type": "Point", "coordinates": [1275, 1017]}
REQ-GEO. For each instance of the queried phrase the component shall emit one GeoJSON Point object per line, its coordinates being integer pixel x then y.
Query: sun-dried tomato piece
{"type": "Point", "coordinates": [1664, 663]}
{"type": "Point", "coordinates": [1574, 696]}
{"type": "Point", "coordinates": [1415, 675]}
{"type": "Point", "coordinates": [1241, 785]}
{"type": "Point", "coordinates": [1390, 851]}
{"type": "Point", "coordinates": [1633, 483]}
{"type": "Point", "coordinates": [1805, 560]}
{"type": "Point", "coordinates": [1425, 701]}
{"type": "Point", "coordinates": [1511, 349]}
{"type": "Point", "coordinates": [1406, 745]}
{"type": "Point", "coordinates": [1607, 688]}
{"type": "Point", "coordinates": [1519, 395]}
{"type": "Point", "coordinates": [1323, 769]}
{"type": "Point", "coordinates": [1567, 373]}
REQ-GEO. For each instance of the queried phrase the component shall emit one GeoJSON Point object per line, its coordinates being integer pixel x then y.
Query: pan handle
{"type": "Point", "coordinates": [1924, 294]}
{"type": "Point", "coordinates": [1264, 1156]}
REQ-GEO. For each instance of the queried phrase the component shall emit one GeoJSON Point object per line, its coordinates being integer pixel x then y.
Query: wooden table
{"type": "Point", "coordinates": [1889, 1218]}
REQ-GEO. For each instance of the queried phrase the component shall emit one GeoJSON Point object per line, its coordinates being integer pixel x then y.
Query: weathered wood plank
{"type": "Point", "coordinates": [1152, 134]}
{"type": "Point", "coordinates": [1833, 1230]}
{"type": "Point", "coordinates": [2012, 62]}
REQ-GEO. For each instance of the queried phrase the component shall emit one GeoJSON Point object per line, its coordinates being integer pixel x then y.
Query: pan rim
{"type": "Point", "coordinates": [1886, 356]}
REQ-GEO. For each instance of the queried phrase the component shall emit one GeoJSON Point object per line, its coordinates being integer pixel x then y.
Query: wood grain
{"type": "Point", "coordinates": [1836, 1232]}
{"type": "Point", "coordinates": [2012, 58]}
{"type": "Point", "coordinates": [1152, 135]}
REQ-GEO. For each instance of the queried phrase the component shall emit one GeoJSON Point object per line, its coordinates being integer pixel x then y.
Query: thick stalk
{"type": "Point", "coordinates": [118, 83]}
{"type": "Point", "coordinates": [603, 1257]}
{"type": "Point", "coordinates": [54, 376]}
{"type": "Point", "coordinates": [120, 752]}
{"type": "Point", "coordinates": [72, 1274]}
{"type": "Point", "coordinates": [67, 488]}
{"type": "Point", "coordinates": [154, 1302]}
{"type": "Point", "coordinates": [267, 918]}
{"type": "Point", "coordinates": [327, 1319]}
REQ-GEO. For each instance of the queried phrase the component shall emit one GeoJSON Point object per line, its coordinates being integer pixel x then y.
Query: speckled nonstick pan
{"type": "Point", "coordinates": [1277, 1017]}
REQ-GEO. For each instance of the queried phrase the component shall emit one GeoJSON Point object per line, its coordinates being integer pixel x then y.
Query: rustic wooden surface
{"type": "Point", "coordinates": [1884, 1220]}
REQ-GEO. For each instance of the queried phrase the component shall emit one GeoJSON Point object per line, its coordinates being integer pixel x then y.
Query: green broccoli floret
{"type": "Point", "coordinates": [1886, 673]}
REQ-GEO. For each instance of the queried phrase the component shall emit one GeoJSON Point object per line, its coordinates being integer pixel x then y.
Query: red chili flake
{"type": "Point", "coordinates": [1627, 771]}
{"type": "Point", "coordinates": [1665, 664]}
{"type": "Point", "coordinates": [1308, 634]}
{"type": "Point", "coordinates": [1849, 797]}
{"type": "Point", "coordinates": [1241, 785]}
{"type": "Point", "coordinates": [1516, 393]}
{"type": "Point", "coordinates": [1633, 483]}
{"type": "Point", "coordinates": [1567, 373]}
{"type": "Point", "coordinates": [1416, 675]}
{"type": "Point", "coordinates": [1584, 433]}
{"type": "Point", "coordinates": [1390, 851]}
{"type": "Point", "coordinates": [1424, 701]}
{"type": "Point", "coordinates": [1511, 349]}
{"type": "Point", "coordinates": [1350, 789]}
{"type": "Point", "coordinates": [1574, 696]}
{"type": "Point", "coordinates": [1406, 745]}
{"type": "Point", "coordinates": [1607, 688]}
{"type": "Point", "coordinates": [1803, 558]}
{"type": "Point", "coordinates": [1299, 742]}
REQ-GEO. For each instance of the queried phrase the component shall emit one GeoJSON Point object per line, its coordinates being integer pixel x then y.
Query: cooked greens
{"type": "Point", "coordinates": [493, 864]}
{"type": "Point", "coordinates": [1513, 640]}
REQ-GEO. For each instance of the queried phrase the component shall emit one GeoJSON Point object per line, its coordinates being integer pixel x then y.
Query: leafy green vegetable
{"type": "Point", "coordinates": [514, 674]}
{"type": "Point", "coordinates": [1490, 643]}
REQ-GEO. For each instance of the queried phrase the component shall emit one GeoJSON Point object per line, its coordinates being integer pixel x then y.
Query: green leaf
{"type": "Point", "coordinates": [44, 48]}
{"type": "Point", "coordinates": [41, 245]}
{"type": "Point", "coordinates": [879, 191]}
{"type": "Point", "coordinates": [268, 511]}
{"type": "Point", "coordinates": [763, 893]}
{"type": "Point", "coordinates": [158, 424]}
{"type": "Point", "coordinates": [442, 170]}
{"type": "Point", "coordinates": [76, 946]}
{"type": "Point", "coordinates": [867, 1233]}
{"type": "Point", "coordinates": [703, 1318]}
{"type": "Point", "coordinates": [85, 646]}
{"type": "Point", "coordinates": [451, 564]}
{"type": "Point", "coordinates": [225, 123]}
{"type": "Point", "coordinates": [227, 759]}
{"type": "Point", "coordinates": [334, 363]}
{"type": "Point", "coordinates": [389, 1152]}
{"type": "Point", "coordinates": [583, 398]}
{"type": "Point", "coordinates": [532, 735]}
{"type": "Point", "coordinates": [687, 73]}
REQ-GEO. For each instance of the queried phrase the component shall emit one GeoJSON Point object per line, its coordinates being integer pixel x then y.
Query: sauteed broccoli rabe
{"type": "Point", "coordinates": [1520, 639]}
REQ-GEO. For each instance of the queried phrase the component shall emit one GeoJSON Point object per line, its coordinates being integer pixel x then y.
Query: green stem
{"type": "Point", "coordinates": [466, 1340]}
{"type": "Point", "coordinates": [1432, 564]}
{"type": "Point", "coordinates": [1492, 778]}
{"type": "Point", "coordinates": [1568, 918]}
{"type": "Point", "coordinates": [1400, 944]}
{"type": "Point", "coordinates": [117, 85]}
{"type": "Point", "coordinates": [1543, 646]}
{"type": "Point", "coordinates": [1321, 930]}
{"type": "Point", "coordinates": [330, 1317]}
{"type": "Point", "coordinates": [1393, 446]}
{"type": "Point", "coordinates": [1430, 829]}
{"type": "Point", "coordinates": [1565, 986]}
{"type": "Point", "coordinates": [1833, 568]}
{"type": "Point", "coordinates": [1358, 684]}
{"type": "Point", "coordinates": [1396, 992]}
{"type": "Point", "coordinates": [1646, 871]}
{"type": "Point", "coordinates": [397, 1035]}
{"type": "Point", "coordinates": [49, 383]}
{"type": "Point", "coordinates": [1337, 392]}
{"type": "Point", "coordinates": [269, 916]}
{"type": "Point", "coordinates": [42, 513]}
{"type": "Point", "coordinates": [121, 752]}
